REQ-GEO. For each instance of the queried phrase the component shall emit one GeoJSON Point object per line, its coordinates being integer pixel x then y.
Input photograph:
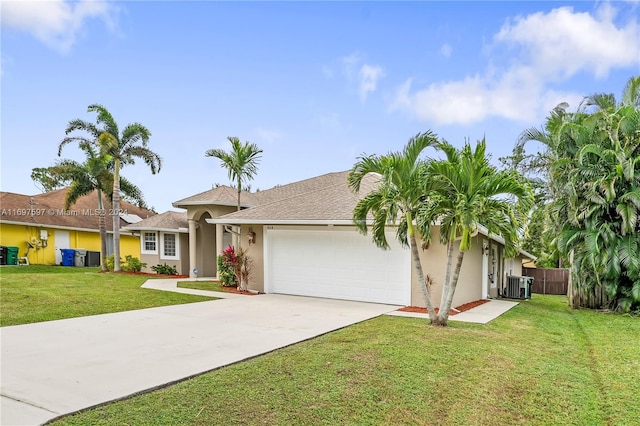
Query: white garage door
{"type": "Point", "coordinates": [337, 264]}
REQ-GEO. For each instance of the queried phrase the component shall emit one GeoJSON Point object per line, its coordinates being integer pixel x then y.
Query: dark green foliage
{"type": "Point", "coordinates": [592, 166]}
{"type": "Point", "coordinates": [165, 269]}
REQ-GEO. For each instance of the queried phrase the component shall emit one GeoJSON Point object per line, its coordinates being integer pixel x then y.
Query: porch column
{"type": "Point", "coordinates": [219, 244]}
{"type": "Point", "coordinates": [485, 269]}
{"type": "Point", "coordinates": [192, 248]}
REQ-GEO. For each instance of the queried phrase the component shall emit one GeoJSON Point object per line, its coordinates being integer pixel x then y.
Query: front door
{"type": "Point", "coordinates": [62, 241]}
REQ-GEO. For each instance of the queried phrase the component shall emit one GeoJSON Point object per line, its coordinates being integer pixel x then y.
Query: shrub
{"type": "Point", "coordinates": [234, 268]}
{"type": "Point", "coordinates": [109, 261]}
{"type": "Point", "coordinates": [130, 263]}
{"type": "Point", "coordinates": [165, 269]}
{"type": "Point", "coordinates": [226, 267]}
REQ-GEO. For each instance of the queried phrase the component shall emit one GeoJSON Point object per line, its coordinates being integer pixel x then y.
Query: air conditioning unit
{"type": "Point", "coordinates": [517, 287]}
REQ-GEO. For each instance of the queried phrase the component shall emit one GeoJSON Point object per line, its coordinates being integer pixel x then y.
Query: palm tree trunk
{"type": "Point", "coordinates": [447, 277]}
{"type": "Point", "coordinates": [116, 216]}
{"type": "Point", "coordinates": [443, 315]}
{"type": "Point", "coordinates": [102, 226]}
{"type": "Point", "coordinates": [419, 271]}
{"type": "Point", "coordinates": [237, 228]}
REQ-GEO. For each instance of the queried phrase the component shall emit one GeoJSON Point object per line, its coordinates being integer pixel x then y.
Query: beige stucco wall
{"type": "Point", "coordinates": [195, 212]}
{"type": "Point", "coordinates": [434, 264]}
{"type": "Point", "coordinates": [181, 264]}
{"type": "Point", "coordinates": [256, 252]}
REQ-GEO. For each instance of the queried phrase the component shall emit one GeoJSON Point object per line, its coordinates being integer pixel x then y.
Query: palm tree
{"type": "Point", "coordinates": [123, 148]}
{"type": "Point", "coordinates": [95, 174]}
{"type": "Point", "coordinates": [464, 193]}
{"type": "Point", "coordinates": [241, 164]}
{"type": "Point", "coordinates": [85, 178]}
{"type": "Point", "coordinates": [591, 163]}
{"type": "Point", "coordinates": [397, 198]}
{"type": "Point", "coordinates": [603, 205]}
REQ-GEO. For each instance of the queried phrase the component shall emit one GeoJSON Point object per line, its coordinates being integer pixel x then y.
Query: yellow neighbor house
{"type": "Point", "coordinates": [41, 228]}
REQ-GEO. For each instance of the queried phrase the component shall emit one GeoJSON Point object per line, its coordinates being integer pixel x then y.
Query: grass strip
{"type": "Point", "coordinates": [37, 293]}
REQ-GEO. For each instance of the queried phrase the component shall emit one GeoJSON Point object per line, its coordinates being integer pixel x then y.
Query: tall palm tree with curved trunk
{"type": "Point", "coordinates": [123, 148]}
{"type": "Point", "coordinates": [396, 199]}
{"type": "Point", "coordinates": [464, 193]}
{"type": "Point", "coordinates": [94, 174]}
{"type": "Point", "coordinates": [241, 164]}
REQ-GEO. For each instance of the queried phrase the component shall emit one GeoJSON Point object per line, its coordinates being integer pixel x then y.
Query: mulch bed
{"type": "Point", "coordinates": [457, 310]}
{"type": "Point", "coordinates": [235, 290]}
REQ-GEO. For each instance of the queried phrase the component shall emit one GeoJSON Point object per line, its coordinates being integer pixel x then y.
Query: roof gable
{"type": "Point", "coordinates": [220, 195]}
{"type": "Point", "coordinates": [167, 221]}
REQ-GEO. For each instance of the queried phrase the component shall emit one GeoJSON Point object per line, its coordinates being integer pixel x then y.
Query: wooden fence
{"type": "Point", "coordinates": [548, 280]}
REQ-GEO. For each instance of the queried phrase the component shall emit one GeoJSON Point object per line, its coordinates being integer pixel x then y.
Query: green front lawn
{"type": "Point", "coordinates": [539, 364]}
{"type": "Point", "coordinates": [42, 293]}
{"type": "Point", "coordinates": [202, 285]}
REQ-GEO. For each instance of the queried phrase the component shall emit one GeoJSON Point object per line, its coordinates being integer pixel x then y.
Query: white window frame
{"type": "Point", "coordinates": [143, 241]}
{"type": "Point", "coordinates": [177, 241]}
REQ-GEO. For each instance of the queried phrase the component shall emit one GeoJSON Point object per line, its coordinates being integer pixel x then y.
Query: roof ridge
{"type": "Point", "coordinates": [298, 182]}
{"type": "Point", "coordinates": [300, 194]}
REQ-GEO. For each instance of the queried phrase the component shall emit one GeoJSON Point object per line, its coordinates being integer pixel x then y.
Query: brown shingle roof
{"type": "Point", "coordinates": [48, 210]}
{"type": "Point", "coordinates": [301, 187]}
{"type": "Point", "coordinates": [169, 220]}
{"type": "Point", "coordinates": [325, 198]}
{"type": "Point", "coordinates": [225, 195]}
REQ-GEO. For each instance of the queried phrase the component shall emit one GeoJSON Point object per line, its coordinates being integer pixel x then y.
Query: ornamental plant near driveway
{"type": "Point", "coordinates": [226, 267]}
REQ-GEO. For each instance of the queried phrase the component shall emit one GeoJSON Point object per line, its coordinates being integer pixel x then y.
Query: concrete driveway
{"type": "Point", "coordinates": [59, 367]}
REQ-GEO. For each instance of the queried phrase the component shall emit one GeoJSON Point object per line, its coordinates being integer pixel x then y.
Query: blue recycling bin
{"type": "Point", "coordinates": [68, 257]}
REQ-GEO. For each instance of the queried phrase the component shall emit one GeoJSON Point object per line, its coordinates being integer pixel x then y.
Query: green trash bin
{"type": "Point", "coordinates": [12, 255]}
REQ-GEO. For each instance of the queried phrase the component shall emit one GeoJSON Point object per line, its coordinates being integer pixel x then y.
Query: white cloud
{"type": "Point", "coordinates": [369, 75]}
{"type": "Point", "coordinates": [562, 42]}
{"type": "Point", "coordinates": [543, 48]}
{"type": "Point", "coordinates": [446, 50]}
{"type": "Point", "coordinates": [366, 76]}
{"type": "Point", "coordinates": [56, 23]}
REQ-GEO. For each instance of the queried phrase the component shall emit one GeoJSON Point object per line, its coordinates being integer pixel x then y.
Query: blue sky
{"type": "Point", "coordinates": [315, 85]}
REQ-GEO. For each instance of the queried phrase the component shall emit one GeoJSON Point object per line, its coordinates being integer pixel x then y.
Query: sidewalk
{"type": "Point", "coordinates": [479, 315]}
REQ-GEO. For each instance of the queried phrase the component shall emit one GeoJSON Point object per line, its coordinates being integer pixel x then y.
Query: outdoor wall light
{"type": "Point", "coordinates": [251, 236]}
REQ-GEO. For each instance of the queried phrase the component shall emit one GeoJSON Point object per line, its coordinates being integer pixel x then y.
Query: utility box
{"type": "Point", "coordinates": [80, 256]}
{"type": "Point", "coordinates": [68, 257]}
{"type": "Point", "coordinates": [3, 255]}
{"type": "Point", "coordinates": [12, 255]}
